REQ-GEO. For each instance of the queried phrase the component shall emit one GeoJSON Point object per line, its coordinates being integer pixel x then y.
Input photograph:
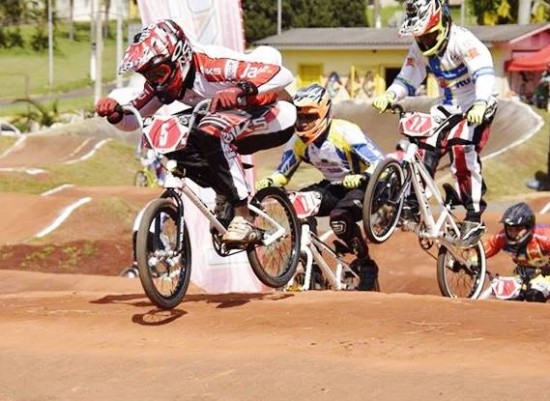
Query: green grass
{"type": "Point", "coordinates": [113, 165]}
{"type": "Point", "coordinates": [506, 174]}
{"type": "Point", "coordinates": [25, 72]}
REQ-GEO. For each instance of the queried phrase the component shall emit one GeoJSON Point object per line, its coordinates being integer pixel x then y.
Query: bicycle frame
{"type": "Point", "coordinates": [313, 246]}
{"type": "Point", "coordinates": [430, 227]}
{"type": "Point", "coordinates": [176, 187]}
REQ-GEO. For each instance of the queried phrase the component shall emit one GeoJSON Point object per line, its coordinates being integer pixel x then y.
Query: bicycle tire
{"type": "Point", "coordinates": [275, 264]}
{"type": "Point", "coordinates": [458, 281]}
{"type": "Point", "coordinates": [140, 179]}
{"type": "Point", "coordinates": [382, 205]}
{"type": "Point", "coordinates": [164, 277]}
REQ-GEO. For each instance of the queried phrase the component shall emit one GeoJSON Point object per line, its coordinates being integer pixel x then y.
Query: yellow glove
{"type": "Point", "coordinates": [274, 180]}
{"type": "Point", "coordinates": [382, 102]}
{"type": "Point", "coordinates": [477, 112]}
{"type": "Point", "coordinates": [352, 181]}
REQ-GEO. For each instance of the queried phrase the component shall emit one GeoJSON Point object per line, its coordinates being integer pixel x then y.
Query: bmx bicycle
{"type": "Point", "coordinates": [163, 246]}
{"type": "Point", "coordinates": [460, 270]}
{"type": "Point", "coordinates": [322, 266]}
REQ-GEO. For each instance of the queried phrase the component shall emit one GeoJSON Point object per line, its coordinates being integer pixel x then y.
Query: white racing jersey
{"type": "Point", "coordinates": [464, 71]}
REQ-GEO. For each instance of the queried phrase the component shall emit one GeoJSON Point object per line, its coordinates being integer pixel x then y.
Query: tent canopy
{"type": "Point", "coordinates": [538, 61]}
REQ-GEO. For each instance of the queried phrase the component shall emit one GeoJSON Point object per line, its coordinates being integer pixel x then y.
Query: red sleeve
{"type": "Point", "coordinates": [543, 235]}
{"type": "Point", "coordinates": [494, 244]}
{"type": "Point", "coordinates": [266, 77]}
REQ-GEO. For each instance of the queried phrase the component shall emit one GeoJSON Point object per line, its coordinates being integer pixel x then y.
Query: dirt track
{"type": "Point", "coordinates": [90, 337]}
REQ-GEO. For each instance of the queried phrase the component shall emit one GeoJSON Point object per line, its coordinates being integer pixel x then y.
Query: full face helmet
{"type": "Point", "coordinates": [429, 21]}
{"type": "Point", "coordinates": [519, 223]}
{"type": "Point", "coordinates": [314, 109]}
{"type": "Point", "coordinates": [162, 54]}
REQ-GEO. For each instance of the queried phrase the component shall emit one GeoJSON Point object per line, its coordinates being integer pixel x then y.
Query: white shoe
{"type": "Point", "coordinates": [241, 232]}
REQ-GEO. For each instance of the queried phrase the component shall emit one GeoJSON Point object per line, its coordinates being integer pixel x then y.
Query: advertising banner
{"type": "Point", "coordinates": [216, 22]}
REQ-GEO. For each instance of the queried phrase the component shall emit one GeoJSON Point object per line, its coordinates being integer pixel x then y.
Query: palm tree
{"type": "Point", "coordinates": [44, 116]}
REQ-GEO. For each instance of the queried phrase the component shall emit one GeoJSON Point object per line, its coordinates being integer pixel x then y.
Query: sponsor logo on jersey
{"type": "Point", "coordinates": [472, 53]}
{"type": "Point", "coordinates": [251, 71]}
{"type": "Point", "coordinates": [231, 69]}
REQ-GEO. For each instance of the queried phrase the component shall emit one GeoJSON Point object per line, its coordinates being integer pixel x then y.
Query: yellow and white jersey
{"type": "Point", "coordinates": [346, 150]}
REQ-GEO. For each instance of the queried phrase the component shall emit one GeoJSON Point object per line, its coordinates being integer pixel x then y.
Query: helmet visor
{"type": "Point", "coordinates": [428, 40]}
{"type": "Point", "coordinates": [515, 233]}
{"type": "Point", "coordinates": [159, 74]}
{"type": "Point", "coordinates": [306, 120]}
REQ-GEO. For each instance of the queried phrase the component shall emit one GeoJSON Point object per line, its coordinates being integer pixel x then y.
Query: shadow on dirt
{"type": "Point", "coordinates": [223, 300]}
{"type": "Point", "coordinates": [158, 317]}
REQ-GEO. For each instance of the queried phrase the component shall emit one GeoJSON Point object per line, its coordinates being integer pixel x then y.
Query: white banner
{"type": "Point", "coordinates": [209, 22]}
{"type": "Point", "coordinates": [206, 21]}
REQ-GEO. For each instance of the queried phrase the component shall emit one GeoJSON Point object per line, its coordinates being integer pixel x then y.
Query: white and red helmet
{"type": "Point", "coordinates": [429, 21]}
{"type": "Point", "coordinates": [163, 55]}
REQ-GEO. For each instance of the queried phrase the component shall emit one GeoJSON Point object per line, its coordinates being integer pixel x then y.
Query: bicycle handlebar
{"type": "Point", "coordinates": [200, 109]}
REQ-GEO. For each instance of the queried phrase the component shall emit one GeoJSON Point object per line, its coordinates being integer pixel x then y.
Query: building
{"type": "Point", "coordinates": [367, 59]}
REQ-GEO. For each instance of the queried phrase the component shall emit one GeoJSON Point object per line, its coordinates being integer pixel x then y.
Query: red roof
{"type": "Point", "coordinates": [538, 61]}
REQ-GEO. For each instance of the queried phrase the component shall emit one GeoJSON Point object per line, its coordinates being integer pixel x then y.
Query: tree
{"type": "Point", "coordinates": [43, 115]}
{"type": "Point", "coordinates": [12, 12]}
{"type": "Point", "coordinates": [260, 16]}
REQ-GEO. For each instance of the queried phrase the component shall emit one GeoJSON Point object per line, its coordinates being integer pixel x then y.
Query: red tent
{"type": "Point", "coordinates": [538, 61]}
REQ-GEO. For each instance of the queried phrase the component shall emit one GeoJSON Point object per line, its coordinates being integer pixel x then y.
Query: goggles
{"type": "Point", "coordinates": [428, 40]}
{"type": "Point", "coordinates": [158, 75]}
{"type": "Point", "coordinates": [307, 118]}
{"type": "Point", "coordinates": [515, 232]}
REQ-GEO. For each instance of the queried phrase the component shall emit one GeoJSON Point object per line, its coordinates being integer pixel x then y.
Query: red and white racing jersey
{"type": "Point", "coordinates": [218, 68]}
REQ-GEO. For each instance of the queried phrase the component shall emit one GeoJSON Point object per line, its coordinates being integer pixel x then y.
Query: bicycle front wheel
{"type": "Point", "coordinates": [382, 203]}
{"type": "Point", "coordinates": [457, 280]}
{"type": "Point", "coordinates": [274, 264]}
{"type": "Point", "coordinates": [164, 263]}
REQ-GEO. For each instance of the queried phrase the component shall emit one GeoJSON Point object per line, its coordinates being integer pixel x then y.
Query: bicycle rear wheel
{"type": "Point", "coordinates": [164, 264]}
{"type": "Point", "coordinates": [382, 204]}
{"type": "Point", "coordinates": [140, 179]}
{"type": "Point", "coordinates": [457, 280]}
{"type": "Point", "coordinates": [276, 263]}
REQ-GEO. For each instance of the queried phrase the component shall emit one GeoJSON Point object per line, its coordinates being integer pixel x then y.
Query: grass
{"type": "Point", "coordinates": [25, 72]}
{"type": "Point", "coordinates": [113, 165]}
{"type": "Point", "coordinates": [71, 62]}
{"type": "Point", "coordinates": [506, 174]}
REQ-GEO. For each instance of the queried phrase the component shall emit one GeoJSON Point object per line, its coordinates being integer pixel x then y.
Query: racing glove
{"type": "Point", "coordinates": [352, 181]}
{"type": "Point", "coordinates": [477, 112]}
{"type": "Point", "coordinates": [274, 180]}
{"type": "Point", "coordinates": [227, 99]}
{"type": "Point", "coordinates": [108, 107]}
{"type": "Point", "coordinates": [382, 102]}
